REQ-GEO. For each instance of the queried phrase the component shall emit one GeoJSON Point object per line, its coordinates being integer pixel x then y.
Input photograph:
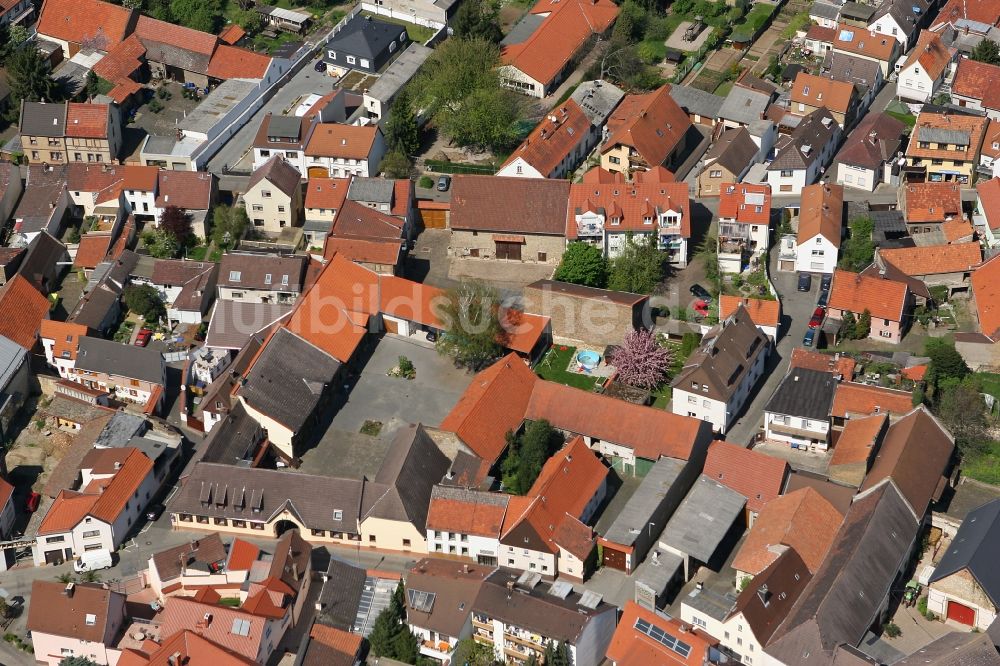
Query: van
{"type": "Point", "coordinates": [93, 561]}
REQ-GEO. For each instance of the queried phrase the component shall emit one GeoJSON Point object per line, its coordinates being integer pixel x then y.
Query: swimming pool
{"type": "Point", "coordinates": [588, 359]}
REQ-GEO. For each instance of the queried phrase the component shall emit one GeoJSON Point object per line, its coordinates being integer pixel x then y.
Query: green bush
{"type": "Point", "coordinates": [892, 630]}
{"type": "Point", "coordinates": [155, 106]}
{"type": "Point", "coordinates": [426, 182]}
{"type": "Point", "coordinates": [652, 51]}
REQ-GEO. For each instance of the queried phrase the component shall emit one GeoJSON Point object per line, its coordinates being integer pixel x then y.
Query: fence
{"type": "Point", "coordinates": [129, 585]}
{"type": "Point", "coordinates": [460, 167]}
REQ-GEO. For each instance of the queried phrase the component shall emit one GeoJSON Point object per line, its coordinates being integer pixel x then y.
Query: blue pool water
{"type": "Point", "coordinates": [588, 359]}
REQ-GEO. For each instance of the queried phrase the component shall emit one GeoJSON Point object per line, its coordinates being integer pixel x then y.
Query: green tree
{"type": "Point", "coordinates": [401, 131]}
{"type": "Point", "coordinates": [708, 252]}
{"type": "Point", "coordinates": [946, 362]}
{"type": "Point", "coordinates": [986, 51]}
{"type": "Point", "coordinates": [583, 263]}
{"type": "Point", "coordinates": [383, 635]}
{"type": "Point", "coordinates": [474, 334]}
{"type": "Point", "coordinates": [161, 244]}
{"type": "Point", "coordinates": [144, 300]}
{"type": "Point", "coordinates": [858, 251]}
{"type": "Point", "coordinates": [487, 118]}
{"type": "Point", "coordinates": [511, 462]}
{"type": "Point", "coordinates": [539, 441]}
{"type": "Point", "coordinates": [639, 267]}
{"type": "Point", "coordinates": [93, 85]}
{"type": "Point", "coordinates": [132, 4]}
{"type": "Point", "coordinates": [395, 164]}
{"type": "Point", "coordinates": [177, 223]}
{"type": "Point", "coordinates": [228, 225]}
{"type": "Point", "coordinates": [470, 653]}
{"type": "Point", "coordinates": [203, 15]}
{"type": "Point", "coordinates": [630, 26]}
{"type": "Point", "coordinates": [961, 408]}
{"type": "Point", "coordinates": [848, 326]}
{"type": "Point", "coordinates": [30, 78]}
{"type": "Point", "coordinates": [864, 325]}
{"type": "Point", "coordinates": [478, 19]}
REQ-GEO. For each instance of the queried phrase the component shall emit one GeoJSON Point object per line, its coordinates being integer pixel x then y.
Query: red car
{"type": "Point", "coordinates": [143, 338]}
{"type": "Point", "coordinates": [31, 504]}
{"type": "Point", "coordinates": [817, 318]}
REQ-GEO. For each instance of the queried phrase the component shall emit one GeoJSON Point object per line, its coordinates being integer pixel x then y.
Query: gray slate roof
{"type": "Point", "coordinates": [811, 132]}
{"type": "Point", "coordinates": [233, 441]}
{"type": "Point", "coordinates": [645, 500]}
{"type": "Point", "coordinates": [12, 357]}
{"type": "Point", "coordinates": [804, 393]}
{"type": "Point", "coordinates": [851, 69]}
{"type": "Point", "coordinates": [703, 519]}
{"type": "Point", "coordinates": [734, 150]}
{"type": "Point", "coordinates": [42, 190]}
{"type": "Point", "coordinates": [43, 119]}
{"type": "Point", "coordinates": [120, 430]}
{"type": "Point", "coordinates": [744, 106]}
{"type": "Point", "coordinates": [338, 600]}
{"type": "Point", "coordinates": [956, 648]}
{"type": "Point", "coordinates": [228, 491]}
{"type": "Point", "coordinates": [373, 190]}
{"type": "Point", "coordinates": [975, 548]}
{"type": "Point", "coordinates": [365, 36]}
{"type": "Point", "coordinates": [234, 322]}
{"type": "Point", "coordinates": [847, 591]}
{"type": "Point", "coordinates": [825, 10]}
{"type": "Point", "coordinates": [944, 135]}
{"type": "Point", "coordinates": [101, 355]}
{"type": "Point", "coordinates": [597, 99]}
{"type": "Point", "coordinates": [288, 379]}
{"type": "Point", "coordinates": [697, 101]}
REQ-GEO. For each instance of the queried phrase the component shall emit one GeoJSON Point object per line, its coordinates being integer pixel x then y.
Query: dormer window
{"type": "Point", "coordinates": [648, 219]}
{"type": "Point", "coordinates": [615, 221]}
{"type": "Point", "coordinates": [805, 91]}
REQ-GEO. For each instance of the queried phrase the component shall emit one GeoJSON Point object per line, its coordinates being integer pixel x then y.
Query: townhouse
{"type": "Point", "coordinates": [972, 87]}
{"type": "Point", "coordinates": [44, 205]}
{"type": "Point", "coordinates": [466, 522]}
{"type": "Point", "coordinates": [928, 66]}
{"type": "Point", "coordinates": [605, 211]}
{"type": "Point", "coordinates": [945, 146]}
{"type": "Point", "coordinates": [811, 93]}
{"type": "Point", "coordinates": [727, 161]}
{"type": "Point", "coordinates": [334, 150]}
{"type": "Point", "coordinates": [867, 44]}
{"type": "Point", "coordinates": [989, 157]}
{"type": "Point", "coordinates": [254, 278]}
{"type": "Point", "coordinates": [888, 302]}
{"type": "Point", "coordinates": [645, 131]}
{"type": "Point", "coordinates": [744, 225]}
{"type": "Point", "coordinates": [718, 377]}
{"type": "Point", "coordinates": [70, 132]}
{"type": "Point", "coordinates": [644, 637]}
{"type": "Point", "coordinates": [930, 208]}
{"type": "Point", "coordinates": [901, 19]}
{"type": "Point", "coordinates": [864, 75]}
{"type": "Point", "coordinates": [539, 55]}
{"type": "Point", "coordinates": [819, 230]}
{"type": "Point", "coordinates": [802, 156]}
{"type": "Point", "coordinates": [187, 288]}
{"type": "Point", "coordinates": [798, 411]}
{"type": "Point", "coordinates": [323, 199]}
{"type": "Point", "coordinates": [871, 154]}
{"type": "Point", "coordinates": [117, 485]}
{"type": "Point", "coordinates": [273, 198]}
{"type": "Point", "coordinates": [83, 620]}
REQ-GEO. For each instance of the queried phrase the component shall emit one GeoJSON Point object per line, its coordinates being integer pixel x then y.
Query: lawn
{"type": "Point", "coordinates": [724, 88]}
{"type": "Point", "coordinates": [553, 368]}
{"type": "Point", "coordinates": [753, 22]}
{"type": "Point", "coordinates": [990, 383]}
{"type": "Point", "coordinates": [416, 33]}
{"type": "Point", "coordinates": [985, 468]}
{"type": "Point", "coordinates": [661, 396]}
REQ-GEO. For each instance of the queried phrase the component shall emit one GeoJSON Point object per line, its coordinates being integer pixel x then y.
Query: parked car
{"type": "Point", "coordinates": [94, 560]}
{"type": "Point", "coordinates": [817, 317]}
{"type": "Point", "coordinates": [824, 298]}
{"type": "Point", "coordinates": [143, 338]}
{"type": "Point", "coordinates": [444, 182]}
{"type": "Point", "coordinates": [320, 66]}
{"type": "Point", "coordinates": [809, 338]}
{"type": "Point", "coordinates": [155, 511]}
{"type": "Point", "coordinates": [825, 281]}
{"type": "Point", "coordinates": [31, 504]}
{"type": "Point", "coordinates": [805, 281]}
{"type": "Point", "coordinates": [700, 292]}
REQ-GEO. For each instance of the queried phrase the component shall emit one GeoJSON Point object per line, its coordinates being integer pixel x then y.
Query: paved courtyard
{"type": "Point", "coordinates": [676, 39]}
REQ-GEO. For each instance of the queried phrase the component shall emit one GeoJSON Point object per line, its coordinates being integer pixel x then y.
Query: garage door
{"type": "Point", "coordinates": [961, 613]}
{"type": "Point", "coordinates": [506, 250]}
{"type": "Point", "coordinates": [614, 559]}
{"type": "Point", "coordinates": [318, 172]}
{"type": "Point", "coordinates": [434, 219]}
{"type": "Point", "coordinates": [786, 265]}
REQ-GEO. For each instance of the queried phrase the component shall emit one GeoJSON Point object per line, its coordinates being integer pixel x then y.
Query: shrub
{"type": "Point", "coordinates": [426, 182]}
{"type": "Point", "coordinates": [892, 630]}
{"type": "Point", "coordinates": [155, 106]}
{"type": "Point", "coordinates": [406, 368]}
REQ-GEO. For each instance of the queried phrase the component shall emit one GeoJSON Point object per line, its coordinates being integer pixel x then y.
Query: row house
{"type": "Point", "coordinates": [81, 620]}
{"type": "Point", "coordinates": [320, 149]}
{"type": "Point", "coordinates": [744, 225]}
{"type": "Point", "coordinates": [644, 132]}
{"type": "Point", "coordinates": [926, 69]}
{"type": "Point", "coordinates": [901, 19]}
{"type": "Point", "coordinates": [811, 93]}
{"type": "Point", "coordinates": [945, 146]}
{"type": "Point", "coordinates": [819, 230]}
{"type": "Point", "coordinates": [871, 155]}
{"type": "Point", "coordinates": [798, 412]}
{"type": "Point", "coordinates": [273, 198]}
{"type": "Point", "coordinates": [930, 208]}
{"type": "Point", "coordinates": [605, 211]}
{"type": "Point", "coordinates": [888, 303]}
{"type": "Point", "coordinates": [974, 87]}
{"type": "Point", "coordinates": [727, 161]}
{"type": "Point", "coordinates": [864, 75]}
{"type": "Point", "coordinates": [802, 156]}
{"type": "Point", "coordinates": [867, 44]}
{"type": "Point", "coordinates": [252, 278]}
{"type": "Point", "coordinates": [70, 132]}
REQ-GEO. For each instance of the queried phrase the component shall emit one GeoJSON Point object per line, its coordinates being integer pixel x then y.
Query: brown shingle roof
{"type": "Point", "coordinates": [553, 140]}
{"type": "Point", "coordinates": [862, 399]}
{"type": "Point", "coordinates": [821, 213]}
{"type": "Point", "coordinates": [279, 173]}
{"type": "Point", "coordinates": [51, 611]}
{"type": "Point", "coordinates": [757, 476]}
{"type": "Point", "coordinates": [863, 149]}
{"type": "Point", "coordinates": [190, 190]}
{"type": "Point", "coordinates": [770, 595]}
{"type": "Point", "coordinates": [201, 552]}
{"type": "Point", "coordinates": [344, 141]}
{"type": "Point", "coordinates": [653, 124]}
{"type": "Point", "coordinates": [803, 520]}
{"type": "Point", "coordinates": [518, 205]}
{"type": "Point", "coordinates": [817, 91]}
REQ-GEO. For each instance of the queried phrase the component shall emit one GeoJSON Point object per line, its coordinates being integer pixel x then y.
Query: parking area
{"type": "Point", "coordinates": [175, 108]}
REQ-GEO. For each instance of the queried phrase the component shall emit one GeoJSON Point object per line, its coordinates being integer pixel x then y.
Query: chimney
{"type": "Point", "coordinates": [69, 589]}
{"type": "Point", "coordinates": [764, 595]}
{"type": "Point", "coordinates": [510, 588]}
{"type": "Point", "coordinates": [465, 568]}
{"type": "Point", "coordinates": [174, 659]}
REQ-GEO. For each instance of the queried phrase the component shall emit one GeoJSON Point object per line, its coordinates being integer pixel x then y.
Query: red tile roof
{"type": "Point", "coordinates": [140, 178]}
{"type": "Point", "coordinates": [6, 492]}
{"type": "Point", "coordinates": [232, 34]}
{"type": "Point", "coordinates": [986, 290]}
{"type": "Point", "coordinates": [190, 190]}
{"type": "Point", "coordinates": [733, 203]}
{"type": "Point", "coordinates": [821, 213]}
{"type": "Point", "coordinates": [233, 62]}
{"type": "Point", "coordinates": [98, 24]}
{"type": "Point", "coordinates": [346, 141]}
{"type": "Point", "coordinates": [326, 193]}
{"type": "Point", "coordinates": [92, 250]}
{"type": "Point", "coordinates": [989, 195]}
{"type": "Point", "coordinates": [803, 520]}
{"type": "Point", "coordinates": [467, 516]}
{"type": "Point", "coordinates": [762, 312]}
{"type": "Point", "coordinates": [182, 614]}
{"type": "Point", "coordinates": [631, 647]}
{"type": "Point", "coordinates": [862, 399]}
{"type": "Point", "coordinates": [820, 91]}
{"type": "Point", "coordinates": [977, 80]}
{"type": "Point", "coordinates": [364, 250]}
{"type": "Point", "coordinates": [122, 61]}
{"type": "Point", "coordinates": [931, 53]}
{"type": "Point", "coordinates": [509, 205]}
{"type": "Point", "coordinates": [853, 292]}
{"type": "Point", "coordinates": [22, 309]}
{"type": "Point", "coordinates": [833, 363]}
{"type": "Point", "coordinates": [402, 196]}
{"type": "Point", "coordinates": [958, 230]}
{"type": "Point", "coordinates": [934, 259]}
{"type": "Point", "coordinates": [413, 301]}
{"type": "Point", "coordinates": [857, 440]}
{"type": "Point", "coordinates": [343, 642]}
{"type": "Point", "coordinates": [653, 193]}
{"type": "Point", "coordinates": [191, 647]}
{"type": "Point", "coordinates": [493, 404]}
{"type": "Point", "coordinates": [553, 139]}
{"type": "Point", "coordinates": [88, 121]}
{"type": "Point", "coordinates": [653, 124]}
{"type": "Point", "coordinates": [982, 11]}
{"type": "Point", "coordinates": [242, 555]}
{"type": "Point", "coordinates": [861, 41]}
{"type": "Point", "coordinates": [149, 29]}
{"type": "Point", "coordinates": [932, 202]}
{"type": "Point", "coordinates": [757, 476]}
{"type": "Point", "coordinates": [972, 126]}
{"type": "Point", "coordinates": [821, 33]}
{"type": "Point", "coordinates": [565, 29]}
{"type": "Point", "coordinates": [524, 330]}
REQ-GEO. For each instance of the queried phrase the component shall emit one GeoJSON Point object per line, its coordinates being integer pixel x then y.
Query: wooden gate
{"type": "Point", "coordinates": [614, 559]}
{"type": "Point", "coordinates": [507, 250]}
{"type": "Point", "coordinates": [434, 219]}
{"type": "Point", "coordinates": [318, 172]}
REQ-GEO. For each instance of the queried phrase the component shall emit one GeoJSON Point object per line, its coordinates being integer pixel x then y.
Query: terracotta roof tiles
{"type": "Point", "coordinates": [96, 23]}
{"type": "Point", "coordinates": [861, 41]}
{"type": "Point", "coordinates": [22, 309]}
{"type": "Point", "coordinates": [971, 128]}
{"type": "Point", "coordinates": [653, 124]}
{"type": "Point", "coordinates": [631, 647]}
{"type": "Point", "coordinates": [757, 476]}
{"type": "Point", "coordinates": [364, 250]}
{"type": "Point", "coordinates": [934, 259]}
{"type": "Point", "coordinates": [553, 139]}
{"type": "Point", "coordinates": [652, 193]}
{"type": "Point", "coordinates": [326, 193]}
{"type": "Point", "coordinates": [931, 53]}
{"type": "Point", "coordinates": [88, 121]}
{"type": "Point", "coordinates": [821, 213]}
{"type": "Point", "coordinates": [762, 312]}
{"type": "Point", "coordinates": [977, 80]}
{"type": "Point", "coordinates": [857, 440]}
{"type": "Point", "coordinates": [344, 141]}
{"type": "Point", "coordinates": [842, 365]}
{"type": "Point", "coordinates": [986, 289]}
{"type": "Point", "coordinates": [818, 91]}
{"type": "Point", "coordinates": [509, 205]}
{"type": "Point", "coordinates": [64, 336]}
{"type": "Point", "coordinates": [853, 292]}
{"type": "Point", "coordinates": [233, 62]}
{"type": "Point", "coordinates": [748, 203]}
{"type": "Point", "coordinates": [92, 250]}
{"type": "Point", "coordinates": [931, 202]}
{"type": "Point", "coordinates": [861, 399]}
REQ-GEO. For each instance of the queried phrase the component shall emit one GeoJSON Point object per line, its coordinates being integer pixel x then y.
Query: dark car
{"type": "Point", "coordinates": [700, 292]}
{"type": "Point", "coordinates": [155, 511]}
{"type": "Point", "coordinates": [320, 66]}
{"type": "Point", "coordinates": [824, 298]}
{"type": "Point", "coordinates": [809, 338]}
{"type": "Point", "coordinates": [444, 182]}
{"type": "Point", "coordinates": [143, 338]}
{"type": "Point", "coordinates": [31, 504]}
{"type": "Point", "coordinates": [817, 317]}
{"type": "Point", "coordinates": [825, 281]}
{"type": "Point", "coordinates": [805, 281]}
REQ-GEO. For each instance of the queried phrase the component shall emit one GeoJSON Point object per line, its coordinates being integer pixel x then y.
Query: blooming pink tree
{"type": "Point", "coordinates": [641, 361]}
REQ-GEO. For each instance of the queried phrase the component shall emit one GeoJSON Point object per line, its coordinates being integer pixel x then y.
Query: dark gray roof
{"type": "Point", "coordinates": [744, 106]}
{"type": "Point", "coordinates": [233, 322]}
{"type": "Point", "coordinates": [975, 548]}
{"type": "Point", "coordinates": [43, 119]}
{"type": "Point", "coordinates": [229, 491]}
{"type": "Point", "coordinates": [12, 357]}
{"type": "Point", "coordinates": [804, 393]}
{"type": "Point", "coordinates": [283, 126]}
{"type": "Point", "coordinates": [41, 259]}
{"type": "Point", "coordinates": [373, 190]}
{"type": "Point", "coordinates": [645, 500]}
{"type": "Point", "coordinates": [656, 574]}
{"type": "Point", "coordinates": [402, 488]}
{"type": "Point", "coordinates": [825, 10]}
{"type": "Point", "coordinates": [42, 190]}
{"type": "Point", "coordinates": [846, 593]}
{"type": "Point", "coordinates": [99, 355]}
{"type": "Point", "coordinates": [288, 379]}
{"type": "Point", "coordinates": [262, 271]}
{"type": "Point", "coordinates": [857, 11]}
{"type": "Point", "coordinates": [851, 69]}
{"type": "Point", "coordinates": [806, 142]}
{"type": "Point", "coordinates": [906, 13]}
{"type": "Point", "coordinates": [120, 430]}
{"type": "Point", "coordinates": [968, 495]}
{"type": "Point", "coordinates": [523, 29]}
{"type": "Point", "coordinates": [598, 99]}
{"type": "Point", "coordinates": [956, 648]}
{"type": "Point", "coordinates": [944, 135]}
{"type": "Point", "coordinates": [703, 519]}
{"type": "Point", "coordinates": [234, 440]}
{"type": "Point", "coordinates": [365, 37]}
{"type": "Point", "coordinates": [279, 173]}
{"type": "Point", "coordinates": [341, 594]}
{"type": "Point", "coordinates": [734, 150]}
{"type": "Point", "coordinates": [697, 101]}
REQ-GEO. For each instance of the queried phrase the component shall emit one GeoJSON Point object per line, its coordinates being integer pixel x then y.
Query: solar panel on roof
{"type": "Point", "coordinates": [662, 637]}
{"type": "Point", "coordinates": [421, 601]}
